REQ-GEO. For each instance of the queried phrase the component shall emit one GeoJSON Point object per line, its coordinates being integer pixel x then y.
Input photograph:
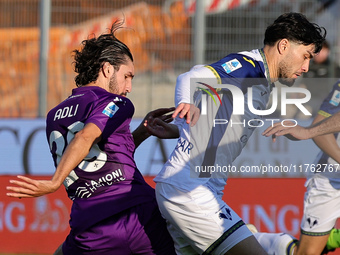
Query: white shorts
{"type": "Point", "coordinates": [199, 221]}
{"type": "Point", "coordinates": [321, 207]}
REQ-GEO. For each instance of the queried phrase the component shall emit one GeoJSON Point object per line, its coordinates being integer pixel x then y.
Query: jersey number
{"type": "Point", "coordinates": [92, 162]}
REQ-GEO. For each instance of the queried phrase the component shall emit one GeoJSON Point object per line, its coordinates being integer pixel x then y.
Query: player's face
{"type": "Point", "coordinates": [121, 80]}
{"type": "Point", "coordinates": [295, 62]}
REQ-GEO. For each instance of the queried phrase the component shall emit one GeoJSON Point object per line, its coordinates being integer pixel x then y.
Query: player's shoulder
{"type": "Point", "coordinates": [241, 64]}
{"type": "Point", "coordinates": [336, 85]}
{"type": "Point", "coordinates": [248, 59]}
{"type": "Point", "coordinates": [197, 71]}
{"type": "Point", "coordinates": [102, 97]}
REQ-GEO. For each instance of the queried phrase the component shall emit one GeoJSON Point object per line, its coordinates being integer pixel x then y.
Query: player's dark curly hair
{"type": "Point", "coordinates": [96, 51]}
{"type": "Point", "coordinates": [295, 27]}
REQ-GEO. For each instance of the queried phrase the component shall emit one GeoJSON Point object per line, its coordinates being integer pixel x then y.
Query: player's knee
{"type": "Point", "coordinates": [246, 247]}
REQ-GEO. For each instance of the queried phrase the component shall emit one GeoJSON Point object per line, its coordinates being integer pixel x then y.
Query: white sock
{"type": "Point", "coordinates": [276, 243]}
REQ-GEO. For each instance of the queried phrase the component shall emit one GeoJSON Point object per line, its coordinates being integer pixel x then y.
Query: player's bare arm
{"type": "Point", "coordinates": [326, 126]}
{"type": "Point", "coordinates": [327, 142]}
{"type": "Point", "coordinates": [289, 130]}
{"type": "Point", "coordinates": [75, 152]}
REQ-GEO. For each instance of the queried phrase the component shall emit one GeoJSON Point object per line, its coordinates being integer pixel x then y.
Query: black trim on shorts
{"type": "Point", "coordinates": [315, 234]}
{"type": "Point", "coordinates": [223, 237]}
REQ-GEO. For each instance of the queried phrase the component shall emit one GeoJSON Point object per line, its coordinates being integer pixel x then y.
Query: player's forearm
{"type": "Point", "coordinates": [326, 126]}
{"type": "Point", "coordinates": [75, 152]}
{"type": "Point", "coordinates": [139, 135]}
{"type": "Point", "coordinates": [328, 144]}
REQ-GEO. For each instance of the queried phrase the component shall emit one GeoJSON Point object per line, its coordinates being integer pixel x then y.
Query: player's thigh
{"type": "Point", "coordinates": [246, 247]}
{"type": "Point", "coordinates": [153, 230]}
{"type": "Point", "coordinates": [321, 208]}
{"type": "Point", "coordinates": [311, 244]}
{"type": "Point", "coordinates": [137, 230]}
{"type": "Point", "coordinates": [200, 219]}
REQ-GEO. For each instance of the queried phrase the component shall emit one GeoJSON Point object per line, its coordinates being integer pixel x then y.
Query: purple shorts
{"type": "Point", "coordinates": [138, 230]}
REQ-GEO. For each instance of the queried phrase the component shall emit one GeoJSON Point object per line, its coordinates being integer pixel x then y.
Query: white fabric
{"type": "Point", "coordinates": [197, 219]}
{"type": "Point", "coordinates": [321, 206]}
{"type": "Point", "coordinates": [276, 243]}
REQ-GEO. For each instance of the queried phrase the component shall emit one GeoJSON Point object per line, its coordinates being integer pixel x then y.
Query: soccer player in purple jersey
{"type": "Point", "coordinates": [114, 210]}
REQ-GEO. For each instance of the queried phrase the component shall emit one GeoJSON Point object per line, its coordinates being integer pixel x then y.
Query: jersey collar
{"type": "Point", "coordinates": [266, 67]}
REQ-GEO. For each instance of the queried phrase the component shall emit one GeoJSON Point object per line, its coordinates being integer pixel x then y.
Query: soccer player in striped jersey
{"type": "Point", "coordinates": [190, 185]}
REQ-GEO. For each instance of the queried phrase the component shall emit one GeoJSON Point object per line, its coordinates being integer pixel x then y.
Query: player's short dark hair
{"type": "Point", "coordinates": [96, 51]}
{"type": "Point", "coordinates": [295, 27]}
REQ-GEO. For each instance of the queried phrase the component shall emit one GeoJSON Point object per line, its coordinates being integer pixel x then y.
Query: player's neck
{"type": "Point", "coordinates": [272, 62]}
{"type": "Point", "coordinates": [100, 82]}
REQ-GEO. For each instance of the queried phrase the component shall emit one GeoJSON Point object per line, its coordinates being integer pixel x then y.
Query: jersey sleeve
{"type": "Point", "coordinates": [241, 70]}
{"type": "Point", "coordinates": [184, 92]}
{"type": "Point", "coordinates": [110, 114]}
{"type": "Point", "coordinates": [330, 105]}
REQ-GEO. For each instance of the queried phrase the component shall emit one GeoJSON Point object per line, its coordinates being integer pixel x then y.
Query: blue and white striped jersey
{"type": "Point", "coordinates": [205, 152]}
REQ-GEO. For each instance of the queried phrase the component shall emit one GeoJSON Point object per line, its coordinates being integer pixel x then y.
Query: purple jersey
{"type": "Point", "coordinates": [107, 181]}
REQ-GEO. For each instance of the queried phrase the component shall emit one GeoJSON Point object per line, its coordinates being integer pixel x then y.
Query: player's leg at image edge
{"type": "Point", "coordinates": [275, 243]}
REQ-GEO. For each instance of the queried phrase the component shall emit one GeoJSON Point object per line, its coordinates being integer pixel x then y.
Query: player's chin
{"type": "Point", "coordinates": [287, 81]}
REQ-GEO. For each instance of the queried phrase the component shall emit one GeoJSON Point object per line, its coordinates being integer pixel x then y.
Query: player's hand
{"type": "Point", "coordinates": [162, 114]}
{"type": "Point", "coordinates": [290, 130]}
{"type": "Point", "coordinates": [141, 132]}
{"type": "Point", "coordinates": [27, 187]}
{"type": "Point", "coordinates": [189, 111]}
{"type": "Point", "coordinates": [161, 128]}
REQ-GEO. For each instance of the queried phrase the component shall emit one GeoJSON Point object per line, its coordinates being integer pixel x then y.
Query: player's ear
{"type": "Point", "coordinates": [107, 69]}
{"type": "Point", "coordinates": [282, 45]}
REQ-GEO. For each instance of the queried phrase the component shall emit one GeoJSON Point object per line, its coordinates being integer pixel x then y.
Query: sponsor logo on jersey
{"type": "Point", "coordinates": [335, 100]}
{"type": "Point", "coordinates": [110, 109]}
{"type": "Point", "coordinates": [92, 186]}
{"type": "Point", "coordinates": [250, 61]}
{"type": "Point", "coordinates": [231, 65]}
{"type": "Point", "coordinates": [263, 93]}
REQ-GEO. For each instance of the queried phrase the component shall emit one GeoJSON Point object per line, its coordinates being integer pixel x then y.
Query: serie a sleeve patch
{"type": "Point", "coordinates": [231, 65]}
{"type": "Point", "coordinates": [110, 109]}
{"type": "Point", "coordinates": [335, 100]}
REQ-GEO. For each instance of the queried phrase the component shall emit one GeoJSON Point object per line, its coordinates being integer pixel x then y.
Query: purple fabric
{"type": "Point", "coordinates": [107, 184]}
{"type": "Point", "coordinates": [139, 230]}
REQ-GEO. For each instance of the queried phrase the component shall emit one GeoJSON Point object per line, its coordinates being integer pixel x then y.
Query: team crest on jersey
{"type": "Point", "coordinates": [225, 213]}
{"type": "Point", "coordinates": [335, 100]}
{"type": "Point", "coordinates": [110, 109]}
{"type": "Point", "coordinates": [312, 221]}
{"type": "Point", "coordinates": [231, 65]}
